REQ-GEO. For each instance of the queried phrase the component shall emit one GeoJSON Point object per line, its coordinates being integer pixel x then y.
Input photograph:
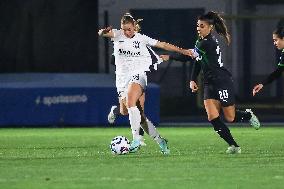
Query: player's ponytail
{"type": "Point", "coordinates": [219, 24]}
{"type": "Point", "coordinates": [128, 18]}
{"type": "Point", "coordinates": [137, 25]}
{"type": "Point", "coordinates": [279, 32]}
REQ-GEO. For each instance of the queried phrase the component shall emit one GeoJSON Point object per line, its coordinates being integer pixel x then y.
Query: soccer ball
{"type": "Point", "coordinates": [119, 145]}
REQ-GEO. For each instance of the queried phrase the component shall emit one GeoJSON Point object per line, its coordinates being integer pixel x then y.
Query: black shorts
{"type": "Point", "coordinates": [222, 91]}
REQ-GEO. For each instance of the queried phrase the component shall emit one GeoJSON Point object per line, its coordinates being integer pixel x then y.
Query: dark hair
{"type": "Point", "coordinates": [279, 32]}
{"type": "Point", "coordinates": [128, 18]}
{"type": "Point", "coordinates": [213, 18]}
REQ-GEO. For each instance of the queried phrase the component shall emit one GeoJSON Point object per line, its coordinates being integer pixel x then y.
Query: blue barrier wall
{"type": "Point", "coordinates": [64, 99]}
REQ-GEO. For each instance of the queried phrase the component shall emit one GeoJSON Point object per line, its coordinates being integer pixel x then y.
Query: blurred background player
{"type": "Point", "coordinates": [132, 60]}
{"type": "Point", "coordinates": [218, 84]}
{"type": "Point", "coordinates": [278, 40]}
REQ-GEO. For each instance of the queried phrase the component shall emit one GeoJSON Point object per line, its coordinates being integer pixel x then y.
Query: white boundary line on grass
{"type": "Point", "coordinates": [197, 124]}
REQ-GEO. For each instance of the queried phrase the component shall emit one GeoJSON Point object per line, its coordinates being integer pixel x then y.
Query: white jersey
{"type": "Point", "coordinates": [134, 55]}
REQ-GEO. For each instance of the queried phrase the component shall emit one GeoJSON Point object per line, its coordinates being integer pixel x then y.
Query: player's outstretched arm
{"type": "Point", "coordinates": [256, 89]}
{"type": "Point", "coordinates": [173, 48]}
{"type": "Point", "coordinates": [106, 32]}
{"type": "Point", "coordinates": [273, 76]}
{"type": "Point", "coordinates": [177, 57]}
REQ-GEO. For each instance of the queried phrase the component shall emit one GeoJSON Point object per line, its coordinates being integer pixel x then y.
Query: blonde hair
{"type": "Point", "coordinates": [128, 18]}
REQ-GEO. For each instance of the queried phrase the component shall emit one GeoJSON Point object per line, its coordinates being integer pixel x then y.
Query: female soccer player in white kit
{"type": "Point", "coordinates": [133, 59]}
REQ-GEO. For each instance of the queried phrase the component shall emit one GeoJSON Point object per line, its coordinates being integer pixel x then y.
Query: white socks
{"type": "Point", "coordinates": [153, 131]}
{"type": "Point", "coordinates": [135, 119]}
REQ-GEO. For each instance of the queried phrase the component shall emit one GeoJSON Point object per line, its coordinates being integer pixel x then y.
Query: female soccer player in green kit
{"type": "Point", "coordinates": [278, 40]}
{"type": "Point", "coordinates": [218, 84]}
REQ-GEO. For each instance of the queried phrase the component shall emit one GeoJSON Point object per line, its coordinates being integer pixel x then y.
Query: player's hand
{"type": "Point", "coordinates": [165, 57]}
{"type": "Point", "coordinates": [104, 30]}
{"type": "Point", "coordinates": [256, 89]}
{"type": "Point", "coordinates": [193, 86]}
{"type": "Point", "coordinates": [187, 52]}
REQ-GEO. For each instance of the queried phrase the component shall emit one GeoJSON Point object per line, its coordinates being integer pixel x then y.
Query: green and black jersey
{"type": "Point", "coordinates": [209, 59]}
{"type": "Point", "coordinates": [277, 73]}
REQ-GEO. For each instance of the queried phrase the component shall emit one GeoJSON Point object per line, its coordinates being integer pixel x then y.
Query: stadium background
{"type": "Point", "coordinates": [50, 53]}
{"type": "Point", "coordinates": [55, 72]}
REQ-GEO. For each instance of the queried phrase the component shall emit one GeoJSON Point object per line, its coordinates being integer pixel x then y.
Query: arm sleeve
{"type": "Point", "coordinates": [274, 75]}
{"type": "Point", "coordinates": [180, 57]}
{"type": "Point", "coordinates": [196, 67]}
{"type": "Point", "coordinates": [149, 41]}
{"type": "Point", "coordinates": [116, 34]}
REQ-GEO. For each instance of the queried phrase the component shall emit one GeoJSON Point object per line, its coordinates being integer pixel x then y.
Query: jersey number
{"type": "Point", "coordinates": [224, 95]}
{"type": "Point", "coordinates": [136, 77]}
{"type": "Point", "coordinates": [220, 56]}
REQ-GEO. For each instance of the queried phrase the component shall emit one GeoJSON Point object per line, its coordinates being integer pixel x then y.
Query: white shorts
{"type": "Point", "coordinates": [123, 81]}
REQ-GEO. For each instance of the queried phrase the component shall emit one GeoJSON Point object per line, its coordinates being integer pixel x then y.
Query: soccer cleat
{"type": "Point", "coordinates": [142, 142]}
{"type": "Point", "coordinates": [233, 150]}
{"type": "Point", "coordinates": [112, 116]}
{"type": "Point", "coordinates": [134, 146]}
{"type": "Point", "coordinates": [164, 146]}
{"type": "Point", "coordinates": [140, 138]}
{"type": "Point", "coordinates": [254, 122]}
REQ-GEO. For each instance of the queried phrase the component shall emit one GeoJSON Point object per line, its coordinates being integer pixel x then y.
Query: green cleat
{"type": "Point", "coordinates": [164, 146]}
{"type": "Point", "coordinates": [134, 146]}
{"type": "Point", "coordinates": [254, 122]}
{"type": "Point", "coordinates": [233, 150]}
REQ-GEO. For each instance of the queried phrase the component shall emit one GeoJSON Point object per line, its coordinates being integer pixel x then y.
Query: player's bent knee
{"type": "Point", "coordinates": [230, 119]}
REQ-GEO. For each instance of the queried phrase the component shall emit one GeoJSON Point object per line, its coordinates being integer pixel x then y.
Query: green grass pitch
{"type": "Point", "coordinates": [80, 158]}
